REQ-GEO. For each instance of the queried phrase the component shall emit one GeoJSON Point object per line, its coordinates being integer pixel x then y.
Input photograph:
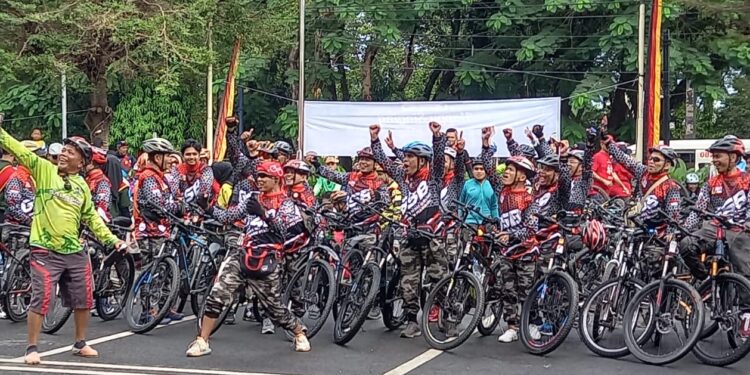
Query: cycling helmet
{"type": "Point", "coordinates": [99, 155]}
{"type": "Point", "coordinates": [297, 166]}
{"type": "Point", "coordinates": [158, 146]}
{"type": "Point", "coordinates": [450, 152]}
{"type": "Point", "coordinates": [551, 161]}
{"type": "Point", "coordinates": [692, 178]}
{"type": "Point", "coordinates": [578, 154]}
{"type": "Point", "coordinates": [477, 161]}
{"type": "Point", "coordinates": [269, 148]}
{"type": "Point", "coordinates": [624, 147]}
{"type": "Point", "coordinates": [527, 151]}
{"type": "Point", "coordinates": [31, 146]}
{"type": "Point", "coordinates": [667, 152]}
{"type": "Point", "coordinates": [420, 149]}
{"type": "Point", "coordinates": [522, 163]}
{"type": "Point", "coordinates": [365, 153]}
{"type": "Point", "coordinates": [270, 168]}
{"type": "Point", "coordinates": [729, 144]}
{"type": "Point", "coordinates": [83, 147]}
{"type": "Point", "coordinates": [594, 236]}
{"type": "Point", "coordinates": [284, 147]}
{"type": "Point", "coordinates": [55, 149]}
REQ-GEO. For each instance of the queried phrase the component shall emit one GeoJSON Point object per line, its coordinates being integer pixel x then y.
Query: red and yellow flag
{"type": "Point", "coordinates": [227, 105]}
{"type": "Point", "coordinates": [654, 89]}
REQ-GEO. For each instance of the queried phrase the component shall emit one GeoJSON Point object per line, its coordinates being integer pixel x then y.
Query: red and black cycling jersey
{"type": "Point", "coordinates": [549, 200]}
{"type": "Point", "coordinates": [366, 188]}
{"type": "Point", "coordinates": [191, 183]}
{"type": "Point", "coordinates": [101, 192]}
{"type": "Point", "coordinates": [150, 191]}
{"type": "Point", "coordinates": [19, 195]}
{"type": "Point", "coordinates": [421, 203]}
{"type": "Point", "coordinates": [725, 195]}
{"type": "Point", "coordinates": [665, 196]}
{"type": "Point", "coordinates": [453, 182]}
{"type": "Point", "coordinates": [302, 193]}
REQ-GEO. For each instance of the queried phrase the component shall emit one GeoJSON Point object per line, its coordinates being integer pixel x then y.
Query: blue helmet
{"type": "Point", "coordinates": [420, 149]}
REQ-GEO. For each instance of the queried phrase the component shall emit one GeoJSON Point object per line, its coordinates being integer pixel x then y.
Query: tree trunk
{"type": "Point", "coordinates": [408, 63]}
{"type": "Point", "coordinates": [445, 83]}
{"type": "Point", "coordinates": [430, 85]}
{"type": "Point", "coordinates": [345, 95]}
{"type": "Point", "coordinates": [293, 61]}
{"type": "Point", "coordinates": [99, 116]}
{"type": "Point", "coordinates": [370, 53]}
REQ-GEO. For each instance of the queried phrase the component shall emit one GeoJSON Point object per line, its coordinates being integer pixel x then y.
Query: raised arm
{"type": "Point", "coordinates": [39, 168]}
{"type": "Point", "coordinates": [636, 168]}
{"type": "Point", "coordinates": [396, 172]}
{"type": "Point", "coordinates": [693, 220]}
{"type": "Point", "coordinates": [341, 178]}
{"type": "Point", "coordinates": [91, 218]}
{"type": "Point", "coordinates": [438, 150]}
{"type": "Point", "coordinates": [486, 157]}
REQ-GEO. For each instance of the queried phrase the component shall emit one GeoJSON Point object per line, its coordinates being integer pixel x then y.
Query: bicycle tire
{"type": "Point", "coordinates": [743, 347]}
{"type": "Point", "coordinates": [571, 291]}
{"type": "Point", "coordinates": [393, 293]}
{"type": "Point", "coordinates": [340, 335]}
{"type": "Point", "coordinates": [455, 280]}
{"type": "Point", "coordinates": [105, 314]}
{"type": "Point", "coordinates": [497, 312]}
{"type": "Point", "coordinates": [348, 269]}
{"type": "Point", "coordinates": [591, 339]}
{"type": "Point", "coordinates": [330, 296]}
{"type": "Point", "coordinates": [57, 315]}
{"type": "Point", "coordinates": [206, 275]}
{"type": "Point", "coordinates": [634, 344]}
{"type": "Point", "coordinates": [174, 284]}
{"type": "Point", "coordinates": [18, 272]}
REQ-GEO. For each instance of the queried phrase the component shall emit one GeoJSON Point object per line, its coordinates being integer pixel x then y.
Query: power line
{"type": "Point", "coordinates": [602, 88]}
{"type": "Point", "coordinates": [491, 71]}
{"type": "Point", "coordinates": [269, 93]}
{"type": "Point", "coordinates": [47, 115]}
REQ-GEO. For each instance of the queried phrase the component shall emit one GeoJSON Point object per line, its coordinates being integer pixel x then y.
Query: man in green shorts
{"type": "Point", "coordinates": [62, 203]}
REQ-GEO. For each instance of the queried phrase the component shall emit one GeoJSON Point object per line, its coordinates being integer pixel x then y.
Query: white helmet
{"type": "Point", "coordinates": [450, 152]}
{"type": "Point", "coordinates": [692, 178]}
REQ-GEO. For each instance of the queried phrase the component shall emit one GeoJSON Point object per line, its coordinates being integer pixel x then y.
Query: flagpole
{"type": "Point", "coordinates": [639, 127]}
{"type": "Point", "coordinates": [301, 95]}
{"type": "Point", "coordinates": [210, 100]}
{"type": "Point", "coordinates": [666, 115]}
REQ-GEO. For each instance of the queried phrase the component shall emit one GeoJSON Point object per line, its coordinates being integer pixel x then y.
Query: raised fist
{"type": "Point", "coordinates": [508, 133]}
{"type": "Point", "coordinates": [435, 127]}
{"type": "Point", "coordinates": [232, 122]}
{"type": "Point", "coordinates": [538, 130]}
{"type": "Point", "coordinates": [374, 131]}
{"type": "Point", "coordinates": [253, 145]}
{"type": "Point", "coordinates": [486, 133]}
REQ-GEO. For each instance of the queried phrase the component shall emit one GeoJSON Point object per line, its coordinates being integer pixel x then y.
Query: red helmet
{"type": "Point", "coordinates": [98, 155]}
{"type": "Point", "coordinates": [594, 236]}
{"type": "Point", "coordinates": [522, 163]}
{"type": "Point", "coordinates": [365, 153]}
{"type": "Point", "coordinates": [297, 166]}
{"type": "Point", "coordinates": [270, 168]}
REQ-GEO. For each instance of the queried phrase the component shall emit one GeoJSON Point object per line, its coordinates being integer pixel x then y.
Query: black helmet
{"type": "Point", "coordinates": [729, 144]}
{"type": "Point", "coordinates": [284, 147]}
{"type": "Point", "coordinates": [83, 147]}
{"type": "Point", "coordinates": [476, 161]}
{"type": "Point", "coordinates": [527, 151]}
{"type": "Point", "coordinates": [668, 153]}
{"type": "Point", "coordinates": [551, 161]}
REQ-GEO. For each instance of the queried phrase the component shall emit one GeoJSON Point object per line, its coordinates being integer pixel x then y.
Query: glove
{"type": "Point", "coordinates": [591, 136]}
{"type": "Point", "coordinates": [538, 131]}
{"type": "Point", "coordinates": [254, 208]}
{"type": "Point", "coordinates": [202, 203]}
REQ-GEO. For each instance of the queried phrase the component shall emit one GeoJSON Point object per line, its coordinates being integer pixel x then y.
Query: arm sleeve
{"type": "Point", "coordinates": [543, 149]}
{"type": "Point", "coordinates": [636, 168]}
{"type": "Point", "coordinates": [102, 197]}
{"type": "Point", "coordinates": [341, 178]}
{"type": "Point", "coordinates": [14, 197]}
{"type": "Point", "coordinates": [693, 220]}
{"type": "Point", "coordinates": [92, 219]}
{"type": "Point", "coordinates": [153, 196]}
{"type": "Point", "coordinates": [399, 154]}
{"type": "Point", "coordinates": [564, 185]}
{"type": "Point", "coordinates": [242, 164]}
{"type": "Point", "coordinates": [231, 214]}
{"type": "Point", "coordinates": [673, 202]}
{"type": "Point", "coordinates": [492, 176]}
{"type": "Point", "coordinates": [39, 168]}
{"type": "Point", "coordinates": [513, 148]}
{"type": "Point", "coordinates": [396, 172]}
{"type": "Point", "coordinates": [587, 175]}
{"type": "Point", "coordinates": [207, 181]}
{"type": "Point", "coordinates": [529, 225]}
{"type": "Point", "coordinates": [438, 160]}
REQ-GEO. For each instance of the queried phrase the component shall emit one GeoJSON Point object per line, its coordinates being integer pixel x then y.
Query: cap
{"type": "Point", "coordinates": [55, 149]}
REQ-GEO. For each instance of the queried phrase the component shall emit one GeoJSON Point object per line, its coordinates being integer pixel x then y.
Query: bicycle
{"type": "Point", "coordinates": [15, 285]}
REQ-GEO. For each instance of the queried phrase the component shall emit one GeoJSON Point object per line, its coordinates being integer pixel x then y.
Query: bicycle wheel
{"type": "Point", "coordinates": [392, 303]}
{"type": "Point", "coordinates": [18, 289]}
{"type": "Point", "coordinates": [311, 304]}
{"type": "Point", "coordinates": [493, 313]}
{"type": "Point", "coordinates": [352, 263]}
{"type": "Point", "coordinates": [355, 301]}
{"type": "Point", "coordinates": [460, 300]}
{"type": "Point", "coordinates": [676, 306]}
{"type": "Point", "coordinates": [551, 306]}
{"type": "Point", "coordinates": [725, 306]}
{"type": "Point", "coordinates": [202, 285]}
{"type": "Point", "coordinates": [115, 290]}
{"type": "Point", "coordinates": [153, 295]}
{"type": "Point", "coordinates": [600, 321]}
{"type": "Point", "coordinates": [56, 316]}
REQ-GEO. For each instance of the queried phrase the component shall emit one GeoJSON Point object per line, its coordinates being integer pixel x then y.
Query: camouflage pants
{"type": "Point", "coordinates": [434, 261]}
{"type": "Point", "coordinates": [267, 290]}
{"type": "Point", "coordinates": [516, 279]}
{"type": "Point", "coordinates": [451, 243]}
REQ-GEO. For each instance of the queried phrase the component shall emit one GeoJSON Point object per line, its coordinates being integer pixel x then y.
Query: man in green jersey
{"type": "Point", "coordinates": [62, 202]}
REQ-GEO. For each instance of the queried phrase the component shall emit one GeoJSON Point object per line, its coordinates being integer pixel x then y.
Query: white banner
{"type": "Point", "coordinates": [342, 128]}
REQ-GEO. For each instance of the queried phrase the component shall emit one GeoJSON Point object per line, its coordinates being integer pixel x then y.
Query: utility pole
{"type": "Point", "coordinates": [65, 108]}
{"type": "Point", "coordinates": [210, 99]}
{"type": "Point", "coordinates": [301, 95]}
{"type": "Point", "coordinates": [641, 86]}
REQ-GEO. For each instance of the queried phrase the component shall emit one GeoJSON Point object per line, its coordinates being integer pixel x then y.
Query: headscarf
{"type": "Point", "coordinates": [222, 172]}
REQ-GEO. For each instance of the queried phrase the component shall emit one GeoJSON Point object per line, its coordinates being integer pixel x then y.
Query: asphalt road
{"type": "Point", "coordinates": [242, 349]}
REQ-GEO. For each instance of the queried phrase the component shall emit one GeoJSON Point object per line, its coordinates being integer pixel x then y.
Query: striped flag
{"type": "Point", "coordinates": [654, 89]}
{"type": "Point", "coordinates": [227, 105]}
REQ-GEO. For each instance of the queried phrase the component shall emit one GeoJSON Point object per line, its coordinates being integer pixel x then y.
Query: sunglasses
{"type": "Point", "coordinates": [331, 163]}
{"type": "Point", "coordinates": [66, 183]}
{"type": "Point", "coordinates": [655, 159]}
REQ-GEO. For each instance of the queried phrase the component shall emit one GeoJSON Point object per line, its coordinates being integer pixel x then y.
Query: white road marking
{"type": "Point", "coordinates": [16, 369]}
{"type": "Point", "coordinates": [107, 366]}
{"type": "Point", "coordinates": [102, 339]}
{"type": "Point", "coordinates": [415, 362]}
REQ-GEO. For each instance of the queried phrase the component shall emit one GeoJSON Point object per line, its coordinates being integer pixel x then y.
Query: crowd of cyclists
{"type": "Point", "coordinates": [433, 241]}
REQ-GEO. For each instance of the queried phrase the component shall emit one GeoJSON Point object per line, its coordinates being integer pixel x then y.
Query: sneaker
{"type": "Point", "coordinates": [85, 352]}
{"type": "Point", "coordinates": [301, 344]}
{"type": "Point", "coordinates": [411, 330]}
{"type": "Point", "coordinates": [3, 315]}
{"type": "Point", "coordinates": [198, 348]}
{"type": "Point", "coordinates": [509, 335]}
{"type": "Point", "coordinates": [32, 358]}
{"type": "Point", "coordinates": [434, 314]}
{"type": "Point", "coordinates": [534, 332]}
{"type": "Point", "coordinates": [374, 313]}
{"type": "Point", "coordinates": [268, 327]}
{"type": "Point", "coordinates": [248, 316]}
{"type": "Point", "coordinates": [745, 325]}
{"type": "Point", "coordinates": [547, 329]}
{"type": "Point", "coordinates": [230, 320]}
{"type": "Point", "coordinates": [175, 316]}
